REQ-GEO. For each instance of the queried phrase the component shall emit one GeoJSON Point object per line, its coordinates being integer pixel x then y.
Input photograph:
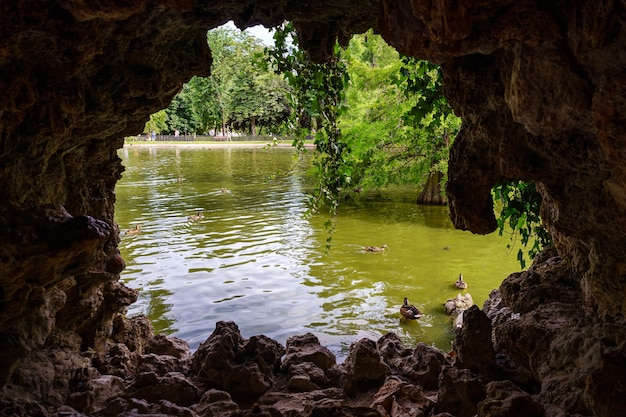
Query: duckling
{"type": "Point", "coordinates": [409, 311]}
{"type": "Point", "coordinates": [460, 284]}
{"type": "Point", "coordinates": [225, 190]}
{"type": "Point", "coordinates": [196, 217]}
{"type": "Point", "coordinates": [376, 248]}
{"type": "Point", "coordinates": [134, 230]}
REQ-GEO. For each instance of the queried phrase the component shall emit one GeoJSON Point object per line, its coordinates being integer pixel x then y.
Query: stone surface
{"type": "Point", "coordinates": [504, 399]}
{"type": "Point", "coordinates": [459, 392]}
{"type": "Point", "coordinates": [541, 90]}
{"type": "Point", "coordinates": [421, 365]}
{"type": "Point", "coordinates": [473, 346]}
{"type": "Point", "coordinates": [363, 369]}
{"type": "Point", "coordinates": [228, 362]}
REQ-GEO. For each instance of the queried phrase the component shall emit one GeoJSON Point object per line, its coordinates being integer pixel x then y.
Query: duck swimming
{"type": "Point", "coordinates": [376, 248]}
{"type": "Point", "coordinates": [409, 311]}
{"type": "Point", "coordinates": [134, 230]}
{"type": "Point", "coordinates": [196, 217]}
{"type": "Point", "coordinates": [460, 284]}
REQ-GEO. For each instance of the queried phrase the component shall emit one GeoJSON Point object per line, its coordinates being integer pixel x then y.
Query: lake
{"type": "Point", "coordinates": [255, 258]}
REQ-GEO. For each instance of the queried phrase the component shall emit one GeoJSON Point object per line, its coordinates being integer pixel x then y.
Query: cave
{"type": "Point", "coordinates": [541, 89]}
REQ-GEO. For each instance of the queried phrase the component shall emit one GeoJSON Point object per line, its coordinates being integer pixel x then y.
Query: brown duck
{"type": "Point", "coordinates": [409, 311]}
{"type": "Point", "coordinates": [196, 217]}
{"type": "Point", "coordinates": [376, 248]}
{"type": "Point", "coordinates": [460, 284]}
{"type": "Point", "coordinates": [134, 230]}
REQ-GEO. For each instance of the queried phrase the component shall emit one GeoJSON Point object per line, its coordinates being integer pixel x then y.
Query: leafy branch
{"type": "Point", "coordinates": [521, 203]}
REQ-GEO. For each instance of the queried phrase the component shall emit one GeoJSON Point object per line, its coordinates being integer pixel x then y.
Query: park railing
{"type": "Point", "coordinates": [208, 138]}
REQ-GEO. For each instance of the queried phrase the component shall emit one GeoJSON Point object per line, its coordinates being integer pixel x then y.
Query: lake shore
{"type": "Point", "coordinates": [213, 145]}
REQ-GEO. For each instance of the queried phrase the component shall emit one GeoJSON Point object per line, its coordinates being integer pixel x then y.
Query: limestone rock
{"type": "Point", "coordinates": [215, 403]}
{"type": "Point", "coordinates": [459, 392]}
{"type": "Point", "coordinates": [314, 403]}
{"type": "Point", "coordinates": [474, 350]}
{"type": "Point", "coordinates": [309, 364]}
{"type": "Point", "coordinates": [228, 362]}
{"type": "Point", "coordinates": [363, 369]}
{"type": "Point", "coordinates": [173, 387]}
{"type": "Point", "coordinates": [161, 344]}
{"type": "Point", "coordinates": [504, 399]}
{"type": "Point", "coordinates": [307, 348]}
{"type": "Point", "coordinates": [397, 398]}
{"type": "Point", "coordinates": [421, 365]}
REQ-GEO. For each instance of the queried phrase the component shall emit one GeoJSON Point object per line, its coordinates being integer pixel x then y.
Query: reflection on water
{"type": "Point", "coordinates": [255, 259]}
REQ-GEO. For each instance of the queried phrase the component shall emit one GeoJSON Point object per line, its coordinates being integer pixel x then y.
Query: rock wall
{"type": "Point", "coordinates": [540, 88]}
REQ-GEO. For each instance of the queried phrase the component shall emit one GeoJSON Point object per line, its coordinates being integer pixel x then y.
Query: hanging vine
{"type": "Point", "coordinates": [521, 203]}
{"type": "Point", "coordinates": [317, 96]}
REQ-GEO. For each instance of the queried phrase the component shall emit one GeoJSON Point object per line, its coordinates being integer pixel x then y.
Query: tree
{"type": "Point", "coordinates": [247, 93]}
{"type": "Point", "coordinates": [181, 113]}
{"type": "Point", "coordinates": [241, 92]}
{"type": "Point", "coordinates": [157, 122]}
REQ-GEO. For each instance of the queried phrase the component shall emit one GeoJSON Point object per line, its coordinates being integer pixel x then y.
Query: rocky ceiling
{"type": "Point", "coordinates": [540, 87]}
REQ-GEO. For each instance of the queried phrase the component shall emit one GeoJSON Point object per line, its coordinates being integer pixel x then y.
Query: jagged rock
{"type": "Point", "coordinates": [473, 347]}
{"type": "Point", "coordinates": [397, 398]}
{"type": "Point", "coordinates": [307, 348]}
{"type": "Point", "coordinates": [117, 360]}
{"type": "Point", "coordinates": [310, 371]}
{"type": "Point", "coordinates": [137, 407]}
{"type": "Point", "coordinates": [301, 383]}
{"type": "Point", "coordinates": [304, 404]}
{"type": "Point", "coordinates": [363, 369]}
{"type": "Point", "coordinates": [215, 403]}
{"type": "Point", "coordinates": [459, 392]}
{"type": "Point", "coordinates": [162, 364]}
{"type": "Point", "coordinates": [168, 345]}
{"type": "Point", "coordinates": [504, 399]}
{"type": "Point", "coordinates": [421, 365]}
{"type": "Point", "coordinates": [228, 362]}
{"type": "Point", "coordinates": [134, 332]}
{"type": "Point", "coordinates": [544, 282]}
{"type": "Point", "coordinates": [309, 365]}
{"type": "Point", "coordinates": [105, 388]}
{"type": "Point", "coordinates": [173, 387]}
{"type": "Point", "coordinates": [165, 354]}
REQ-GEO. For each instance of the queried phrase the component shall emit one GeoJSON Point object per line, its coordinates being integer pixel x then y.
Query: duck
{"type": "Point", "coordinates": [409, 311]}
{"type": "Point", "coordinates": [134, 230]}
{"type": "Point", "coordinates": [196, 217]}
{"type": "Point", "coordinates": [460, 284]}
{"type": "Point", "coordinates": [376, 248]}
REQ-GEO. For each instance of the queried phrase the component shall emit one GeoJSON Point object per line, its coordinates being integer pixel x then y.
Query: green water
{"type": "Point", "coordinates": [257, 260]}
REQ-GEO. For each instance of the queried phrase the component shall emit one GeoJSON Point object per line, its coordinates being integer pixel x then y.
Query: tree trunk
{"type": "Point", "coordinates": [431, 193]}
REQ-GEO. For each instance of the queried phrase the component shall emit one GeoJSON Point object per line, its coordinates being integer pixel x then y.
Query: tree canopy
{"type": "Point", "coordinates": [241, 94]}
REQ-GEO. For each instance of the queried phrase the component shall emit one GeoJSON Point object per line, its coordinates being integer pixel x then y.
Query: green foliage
{"type": "Point", "coordinates": [399, 126]}
{"type": "Point", "coordinates": [158, 122]}
{"type": "Point", "coordinates": [520, 211]}
{"type": "Point", "coordinates": [316, 95]}
{"type": "Point", "coordinates": [241, 94]}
